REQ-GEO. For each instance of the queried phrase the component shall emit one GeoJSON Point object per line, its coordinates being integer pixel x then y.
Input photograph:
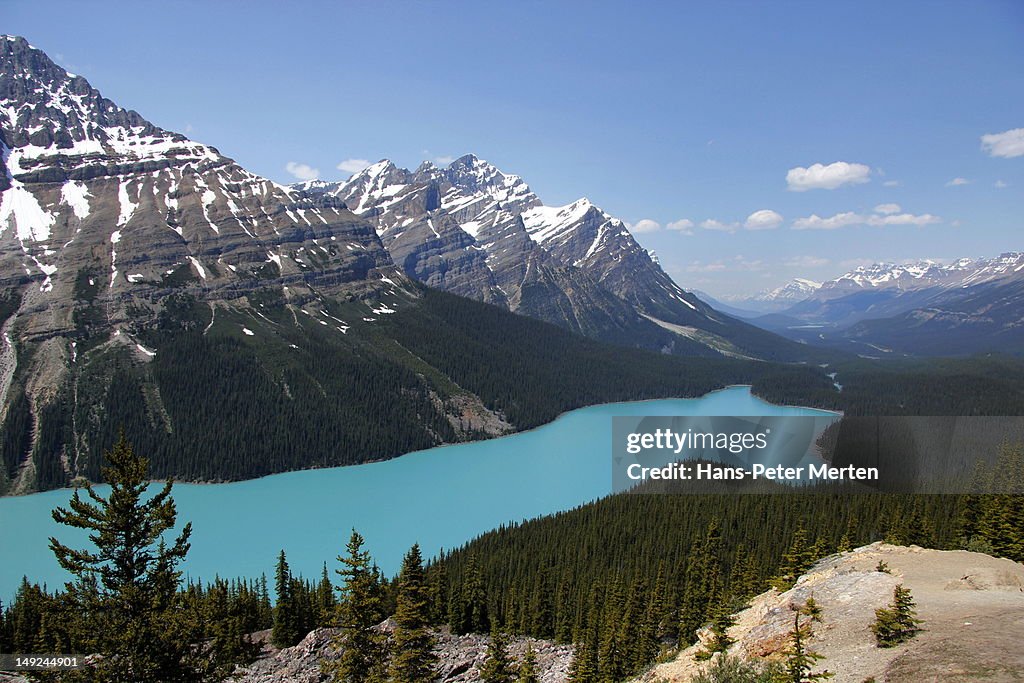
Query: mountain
{"type": "Point", "coordinates": [795, 290]}
{"type": "Point", "coordinates": [926, 308]}
{"type": "Point", "coordinates": [966, 320]}
{"type": "Point", "coordinates": [473, 230]}
{"type": "Point", "coordinates": [926, 273]}
{"type": "Point", "coordinates": [234, 327]}
{"type": "Point", "coordinates": [772, 300]}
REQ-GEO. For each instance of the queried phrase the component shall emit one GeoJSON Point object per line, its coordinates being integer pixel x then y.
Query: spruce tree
{"type": "Point", "coordinates": [801, 660]}
{"type": "Point", "coordinates": [896, 623]}
{"type": "Point", "coordinates": [438, 591]}
{"type": "Point", "coordinates": [285, 632]}
{"type": "Point", "coordinates": [722, 620]}
{"type": "Point", "coordinates": [613, 654]}
{"type": "Point", "coordinates": [497, 666]}
{"type": "Point", "coordinates": [128, 584]}
{"type": "Point", "coordinates": [585, 667]}
{"type": "Point", "coordinates": [266, 611]}
{"type": "Point", "coordinates": [362, 648]}
{"type": "Point", "coordinates": [795, 561]}
{"type": "Point", "coordinates": [528, 669]}
{"type": "Point", "coordinates": [325, 602]}
{"type": "Point", "coordinates": [542, 617]}
{"type": "Point", "coordinates": [413, 660]}
{"type": "Point", "coordinates": [702, 583]}
{"type": "Point", "coordinates": [469, 603]}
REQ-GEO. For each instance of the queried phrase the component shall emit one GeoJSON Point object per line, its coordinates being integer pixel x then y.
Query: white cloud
{"type": "Point", "coordinates": [888, 208]}
{"type": "Point", "coordinates": [715, 267]}
{"type": "Point", "coordinates": [644, 225]}
{"type": "Point", "coordinates": [1007, 144]}
{"type": "Point", "coordinates": [683, 225]}
{"type": "Point", "coordinates": [840, 220]}
{"type": "Point", "coordinates": [353, 165]}
{"type": "Point", "coordinates": [848, 218]}
{"type": "Point", "coordinates": [904, 219]}
{"type": "Point", "coordinates": [302, 171]}
{"type": "Point", "coordinates": [807, 262]}
{"type": "Point", "coordinates": [738, 262]}
{"type": "Point", "coordinates": [765, 219]}
{"type": "Point", "coordinates": [1001, 184]}
{"type": "Point", "coordinates": [958, 181]}
{"type": "Point", "coordinates": [851, 263]}
{"type": "Point", "coordinates": [892, 183]}
{"type": "Point", "coordinates": [444, 159]}
{"type": "Point", "coordinates": [712, 224]}
{"type": "Point", "coordinates": [821, 177]}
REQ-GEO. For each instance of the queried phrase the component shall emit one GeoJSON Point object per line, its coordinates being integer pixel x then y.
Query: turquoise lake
{"type": "Point", "coordinates": [441, 498]}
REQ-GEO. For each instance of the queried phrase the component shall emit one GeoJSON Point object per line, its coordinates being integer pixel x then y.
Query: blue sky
{"type": "Point", "coordinates": [661, 113]}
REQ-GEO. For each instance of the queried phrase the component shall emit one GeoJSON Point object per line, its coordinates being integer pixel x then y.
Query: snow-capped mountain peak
{"type": "Point", "coordinates": [795, 290]}
{"type": "Point", "coordinates": [89, 185]}
{"type": "Point", "coordinates": [927, 273]}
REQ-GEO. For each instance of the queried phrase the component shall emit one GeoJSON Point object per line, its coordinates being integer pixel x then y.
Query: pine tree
{"type": "Point", "coordinates": [286, 630]}
{"type": "Point", "coordinates": [266, 611]}
{"type": "Point", "coordinates": [528, 669]}
{"type": "Point", "coordinates": [542, 617]}
{"type": "Point", "coordinates": [469, 612]}
{"type": "Point", "coordinates": [722, 620]}
{"type": "Point", "coordinates": [795, 561]}
{"type": "Point", "coordinates": [585, 666]}
{"type": "Point", "coordinates": [497, 666]}
{"type": "Point", "coordinates": [362, 648]}
{"type": "Point", "coordinates": [800, 660]}
{"type": "Point", "coordinates": [896, 623]}
{"type": "Point", "coordinates": [702, 583]}
{"type": "Point", "coordinates": [325, 602]}
{"type": "Point", "coordinates": [613, 654]}
{"type": "Point", "coordinates": [438, 591]}
{"type": "Point", "coordinates": [129, 584]}
{"type": "Point", "coordinates": [413, 660]}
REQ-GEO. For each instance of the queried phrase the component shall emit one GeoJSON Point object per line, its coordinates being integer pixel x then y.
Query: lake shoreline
{"type": "Point", "coordinates": [314, 468]}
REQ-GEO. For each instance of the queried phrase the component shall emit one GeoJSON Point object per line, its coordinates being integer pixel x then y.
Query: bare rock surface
{"type": "Point", "coordinates": [459, 658]}
{"type": "Point", "coordinates": [972, 606]}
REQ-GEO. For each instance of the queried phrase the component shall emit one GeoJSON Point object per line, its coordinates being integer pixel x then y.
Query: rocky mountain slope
{"type": "Point", "coordinates": [972, 606]}
{"type": "Point", "coordinates": [473, 230]}
{"type": "Point", "coordinates": [111, 227]}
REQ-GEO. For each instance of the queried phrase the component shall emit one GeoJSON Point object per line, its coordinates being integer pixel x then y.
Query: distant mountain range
{"type": "Point", "coordinates": [922, 308]}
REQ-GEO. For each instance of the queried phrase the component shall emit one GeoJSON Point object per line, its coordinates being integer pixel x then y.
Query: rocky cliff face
{"type": "Point", "coordinates": [100, 204]}
{"type": "Point", "coordinates": [972, 606]}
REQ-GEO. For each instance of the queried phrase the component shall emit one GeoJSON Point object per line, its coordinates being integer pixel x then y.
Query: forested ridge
{"type": "Point", "coordinates": [625, 579]}
{"type": "Point", "coordinates": [216, 404]}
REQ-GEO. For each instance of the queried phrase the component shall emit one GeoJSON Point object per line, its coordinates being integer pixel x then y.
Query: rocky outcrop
{"type": "Point", "coordinates": [459, 659]}
{"type": "Point", "coordinates": [972, 606]}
